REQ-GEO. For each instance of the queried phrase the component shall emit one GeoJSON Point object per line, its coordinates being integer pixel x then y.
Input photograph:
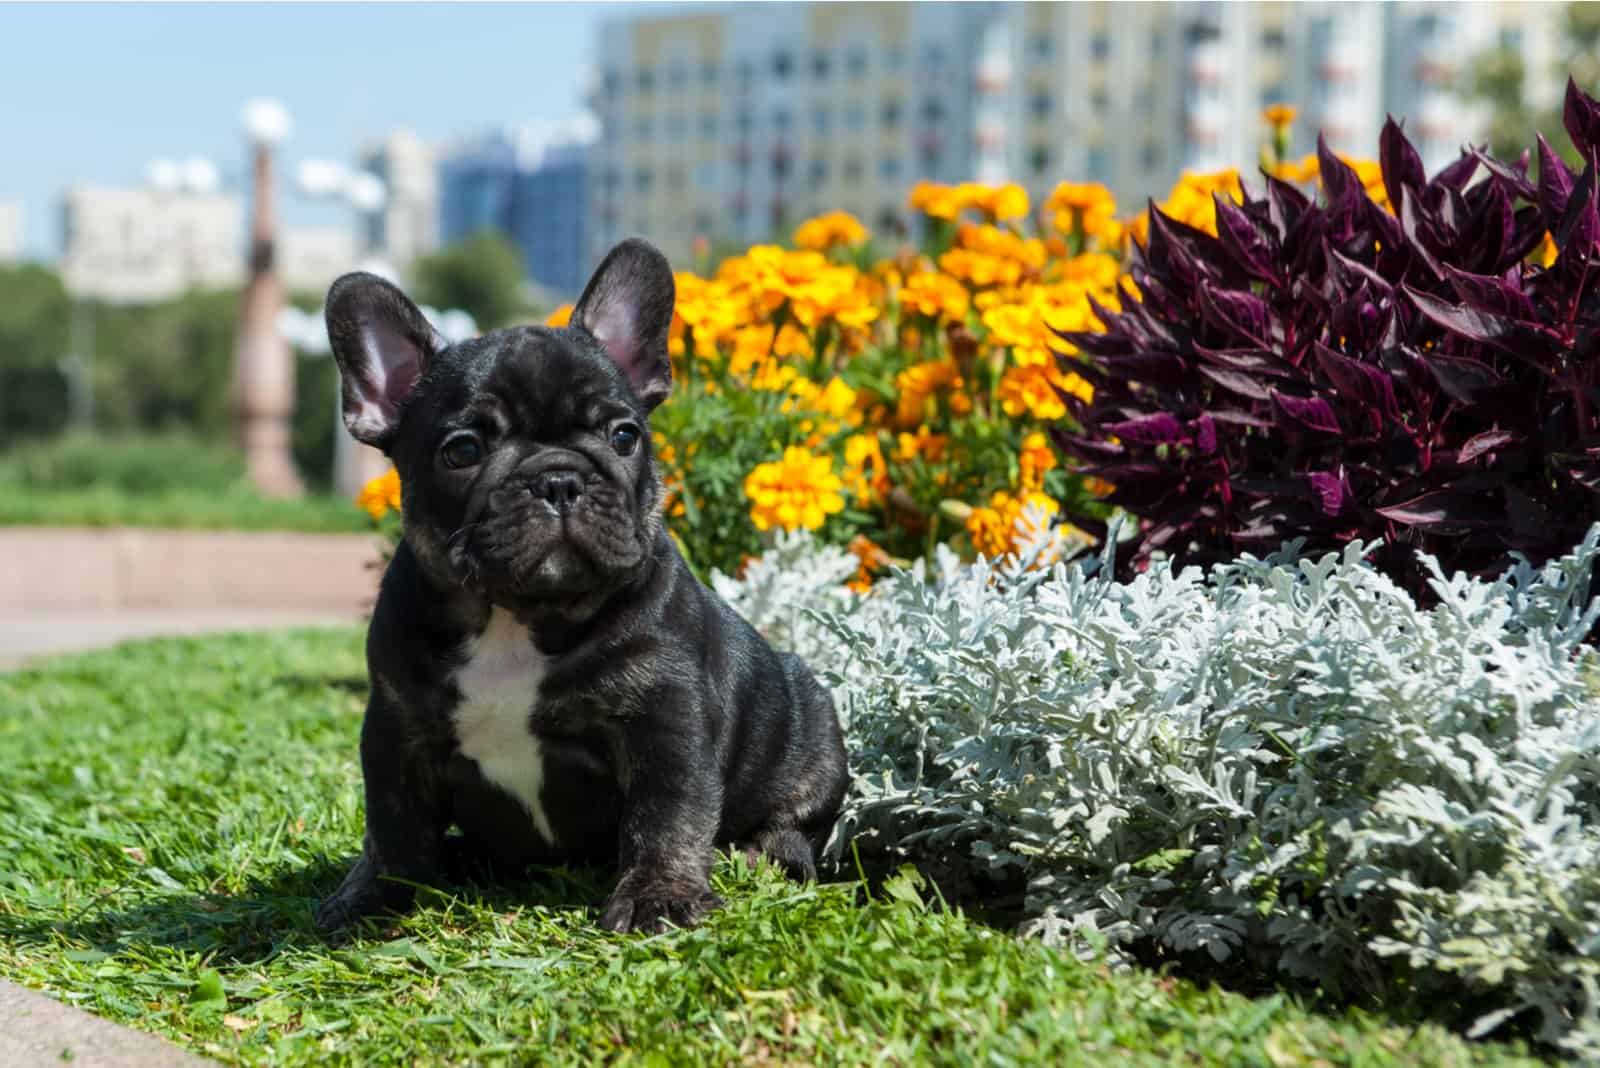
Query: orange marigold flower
{"type": "Point", "coordinates": [560, 317]}
{"type": "Point", "coordinates": [924, 443]}
{"type": "Point", "coordinates": [935, 294]}
{"type": "Point", "coordinates": [936, 200]}
{"type": "Point", "coordinates": [1279, 116]}
{"type": "Point", "coordinates": [1305, 169]}
{"type": "Point", "coordinates": [826, 231]}
{"type": "Point", "coordinates": [800, 490]}
{"type": "Point", "coordinates": [919, 382]}
{"type": "Point", "coordinates": [866, 472]}
{"type": "Point", "coordinates": [1035, 458]}
{"type": "Point", "coordinates": [380, 495]}
{"type": "Point", "coordinates": [1002, 526]}
{"type": "Point", "coordinates": [1009, 201]}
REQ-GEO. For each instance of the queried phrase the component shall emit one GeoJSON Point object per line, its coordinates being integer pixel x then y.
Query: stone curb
{"type": "Point", "coordinates": [37, 1031]}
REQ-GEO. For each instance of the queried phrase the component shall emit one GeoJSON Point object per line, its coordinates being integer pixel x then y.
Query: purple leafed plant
{"type": "Point", "coordinates": [1332, 370]}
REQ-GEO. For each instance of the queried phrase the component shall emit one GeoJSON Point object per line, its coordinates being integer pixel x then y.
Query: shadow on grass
{"type": "Point", "coordinates": [274, 914]}
{"type": "Point", "coordinates": [316, 685]}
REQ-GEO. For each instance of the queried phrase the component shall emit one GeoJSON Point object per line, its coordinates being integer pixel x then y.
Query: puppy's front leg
{"type": "Point", "coordinates": [406, 819]}
{"type": "Point", "coordinates": [670, 813]}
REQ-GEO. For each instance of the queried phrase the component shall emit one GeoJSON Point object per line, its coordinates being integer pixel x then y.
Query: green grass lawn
{"type": "Point", "coordinates": [173, 809]}
{"type": "Point", "coordinates": [237, 509]}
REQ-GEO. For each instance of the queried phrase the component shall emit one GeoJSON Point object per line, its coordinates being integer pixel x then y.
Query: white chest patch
{"type": "Point", "coordinates": [499, 686]}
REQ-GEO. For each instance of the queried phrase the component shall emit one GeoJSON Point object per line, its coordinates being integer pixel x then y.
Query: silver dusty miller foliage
{"type": "Point", "coordinates": [1283, 762]}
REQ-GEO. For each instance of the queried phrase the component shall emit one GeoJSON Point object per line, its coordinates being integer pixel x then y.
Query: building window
{"type": "Point", "coordinates": [780, 164]}
{"type": "Point", "coordinates": [1149, 156]}
{"type": "Point", "coordinates": [1511, 38]}
{"type": "Point", "coordinates": [1043, 45]}
{"type": "Point", "coordinates": [781, 120]}
{"type": "Point", "coordinates": [1272, 94]}
{"type": "Point", "coordinates": [1039, 159]}
{"type": "Point", "coordinates": [1100, 47]}
{"type": "Point", "coordinates": [782, 65]}
{"type": "Point", "coordinates": [1099, 164]}
{"type": "Point", "coordinates": [746, 73]}
{"type": "Point", "coordinates": [1274, 38]}
{"type": "Point", "coordinates": [895, 57]}
{"type": "Point", "coordinates": [819, 66]}
{"type": "Point", "coordinates": [891, 113]}
{"type": "Point", "coordinates": [1100, 101]}
{"type": "Point", "coordinates": [744, 122]}
{"type": "Point", "coordinates": [705, 175]}
{"type": "Point", "coordinates": [642, 179]}
{"type": "Point", "coordinates": [677, 76]}
{"type": "Point", "coordinates": [853, 169]}
{"type": "Point", "coordinates": [889, 221]}
{"type": "Point", "coordinates": [647, 79]}
{"type": "Point", "coordinates": [855, 118]}
{"type": "Point", "coordinates": [643, 130]}
{"type": "Point", "coordinates": [933, 110]}
{"type": "Point", "coordinates": [933, 55]}
{"type": "Point", "coordinates": [818, 172]}
{"type": "Point", "coordinates": [708, 127]}
{"type": "Point", "coordinates": [819, 121]}
{"type": "Point", "coordinates": [856, 62]}
{"type": "Point", "coordinates": [709, 74]}
{"type": "Point", "coordinates": [612, 82]}
{"type": "Point", "coordinates": [1039, 104]}
{"type": "Point", "coordinates": [889, 168]}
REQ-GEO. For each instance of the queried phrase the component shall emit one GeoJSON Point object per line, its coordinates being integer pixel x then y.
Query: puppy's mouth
{"type": "Point", "coordinates": [534, 543]}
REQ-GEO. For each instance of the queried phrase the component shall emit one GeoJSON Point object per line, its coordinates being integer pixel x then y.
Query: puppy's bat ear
{"type": "Point", "coordinates": [382, 343]}
{"type": "Point", "coordinates": [627, 307]}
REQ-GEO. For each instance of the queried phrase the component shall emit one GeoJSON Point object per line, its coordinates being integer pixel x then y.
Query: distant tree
{"type": "Point", "coordinates": [1498, 78]}
{"type": "Point", "coordinates": [34, 316]}
{"type": "Point", "coordinates": [481, 275]}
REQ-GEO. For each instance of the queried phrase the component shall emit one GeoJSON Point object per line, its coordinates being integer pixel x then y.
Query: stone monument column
{"type": "Point", "coordinates": [263, 385]}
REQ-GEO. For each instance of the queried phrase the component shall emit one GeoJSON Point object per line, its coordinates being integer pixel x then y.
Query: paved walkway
{"type": "Point", "coordinates": [23, 639]}
{"type": "Point", "coordinates": [39, 1032]}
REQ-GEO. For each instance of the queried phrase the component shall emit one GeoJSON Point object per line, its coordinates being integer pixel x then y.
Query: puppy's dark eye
{"type": "Point", "coordinates": [461, 450]}
{"type": "Point", "coordinates": [625, 439]}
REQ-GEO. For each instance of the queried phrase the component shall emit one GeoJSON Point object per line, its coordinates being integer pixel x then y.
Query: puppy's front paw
{"type": "Point", "coordinates": [646, 903]}
{"type": "Point", "coordinates": [363, 893]}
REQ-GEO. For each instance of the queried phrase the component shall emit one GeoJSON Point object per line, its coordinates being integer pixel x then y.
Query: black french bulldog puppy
{"type": "Point", "coordinates": [546, 673]}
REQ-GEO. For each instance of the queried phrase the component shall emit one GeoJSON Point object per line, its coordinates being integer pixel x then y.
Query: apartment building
{"type": "Point", "coordinates": [131, 244]}
{"type": "Point", "coordinates": [735, 123]}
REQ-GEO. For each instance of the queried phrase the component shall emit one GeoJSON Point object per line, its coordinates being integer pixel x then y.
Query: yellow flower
{"type": "Point", "coordinates": [1190, 200]}
{"type": "Point", "coordinates": [866, 472]}
{"type": "Point", "coordinates": [1035, 389]}
{"type": "Point", "coordinates": [826, 231]}
{"type": "Point", "coordinates": [924, 443]}
{"type": "Point", "coordinates": [381, 495]}
{"type": "Point", "coordinates": [1305, 170]}
{"type": "Point", "coordinates": [1009, 201]}
{"type": "Point", "coordinates": [935, 294]}
{"type": "Point", "coordinates": [919, 382]}
{"type": "Point", "coordinates": [797, 491]}
{"type": "Point", "coordinates": [1547, 251]}
{"type": "Point", "coordinates": [1086, 207]}
{"type": "Point", "coordinates": [1034, 460]}
{"type": "Point", "coordinates": [1370, 174]}
{"type": "Point", "coordinates": [938, 201]}
{"type": "Point", "coordinates": [560, 317]}
{"type": "Point", "coordinates": [1279, 116]}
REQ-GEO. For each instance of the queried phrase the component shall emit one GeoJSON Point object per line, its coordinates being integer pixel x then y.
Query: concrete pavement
{"type": "Point", "coordinates": [39, 1032]}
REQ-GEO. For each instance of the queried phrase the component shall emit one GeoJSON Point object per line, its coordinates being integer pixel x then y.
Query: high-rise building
{"type": "Point", "coordinates": [531, 184]}
{"type": "Point", "coordinates": [736, 123]}
{"type": "Point", "coordinates": [407, 226]}
{"type": "Point", "coordinates": [130, 245]}
{"type": "Point", "coordinates": [10, 231]}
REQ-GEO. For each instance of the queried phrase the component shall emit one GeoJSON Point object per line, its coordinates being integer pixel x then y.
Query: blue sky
{"type": "Point", "coordinates": [93, 93]}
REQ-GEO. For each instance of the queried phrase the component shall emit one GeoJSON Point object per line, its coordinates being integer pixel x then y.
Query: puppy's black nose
{"type": "Point", "coordinates": [561, 488]}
